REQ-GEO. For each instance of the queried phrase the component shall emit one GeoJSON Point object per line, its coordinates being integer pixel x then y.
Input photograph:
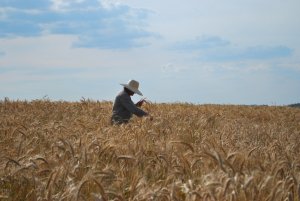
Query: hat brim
{"type": "Point", "coordinates": [133, 90]}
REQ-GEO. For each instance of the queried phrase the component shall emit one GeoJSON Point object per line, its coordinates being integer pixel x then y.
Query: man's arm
{"type": "Point", "coordinates": [130, 106]}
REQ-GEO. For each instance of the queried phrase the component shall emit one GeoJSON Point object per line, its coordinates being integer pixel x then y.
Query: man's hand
{"type": "Point", "coordinates": [140, 103]}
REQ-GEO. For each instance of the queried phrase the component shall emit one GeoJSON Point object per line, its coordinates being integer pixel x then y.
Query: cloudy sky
{"type": "Point", "coordinates": [196, 51]}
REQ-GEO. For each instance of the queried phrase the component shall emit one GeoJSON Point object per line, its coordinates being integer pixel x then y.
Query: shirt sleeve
{"type": "Point", "coordinates": [130, 106]}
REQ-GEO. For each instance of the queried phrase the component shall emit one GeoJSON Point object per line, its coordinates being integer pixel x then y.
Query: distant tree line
{"type": "Point", "coordinates": [295, 105]}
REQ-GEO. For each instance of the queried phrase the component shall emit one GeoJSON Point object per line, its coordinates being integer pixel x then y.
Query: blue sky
{"type": "Point", "coordinates": [196, 51]}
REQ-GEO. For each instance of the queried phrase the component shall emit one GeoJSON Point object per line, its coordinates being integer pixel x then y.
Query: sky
{"type": "Point", "coordinates": [193, 51]}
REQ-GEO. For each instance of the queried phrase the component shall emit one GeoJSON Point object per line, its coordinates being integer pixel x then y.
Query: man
{"type": "Point", "coordinates": [123, 107]}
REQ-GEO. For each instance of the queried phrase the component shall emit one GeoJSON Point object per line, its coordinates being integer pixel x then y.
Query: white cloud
{"type": "Point", "coordinates": [119, 27]}
{"type": "Point", "coordinates": [64, 5]}
{"type": "Point", "coordinates": [59, 4]}
{"type": "Point", "coordinates": [169, 68]}
{"type": "Point", "coordinates": [109, 4]}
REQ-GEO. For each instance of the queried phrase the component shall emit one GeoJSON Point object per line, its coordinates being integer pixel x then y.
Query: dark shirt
{"type": "Point", "coordinates": [124, 108]}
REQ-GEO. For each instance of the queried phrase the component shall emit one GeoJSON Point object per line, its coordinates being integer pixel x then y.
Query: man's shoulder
{"type": "Point", "coordinates": [123, 95]}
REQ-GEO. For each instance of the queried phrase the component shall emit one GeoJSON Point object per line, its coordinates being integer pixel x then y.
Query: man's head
{"type": "Point", "coordinates": [128, 91]}
{"type": "Point", "coordinates": [133, 86]}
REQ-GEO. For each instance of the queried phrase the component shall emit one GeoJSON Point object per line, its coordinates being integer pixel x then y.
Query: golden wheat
{"type": "Point", "coordinates": [69, 151]}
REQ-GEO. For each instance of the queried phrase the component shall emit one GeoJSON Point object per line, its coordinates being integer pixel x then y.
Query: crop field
{"type": "Point", "coordinates": [69, 151]}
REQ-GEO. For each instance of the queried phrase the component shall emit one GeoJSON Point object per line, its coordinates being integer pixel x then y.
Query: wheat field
{"type": "Point", "coordinates": [69, 151]}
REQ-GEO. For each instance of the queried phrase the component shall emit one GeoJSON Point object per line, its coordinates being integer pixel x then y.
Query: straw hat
{"type": "Point", "coordinates": [133, 86]}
